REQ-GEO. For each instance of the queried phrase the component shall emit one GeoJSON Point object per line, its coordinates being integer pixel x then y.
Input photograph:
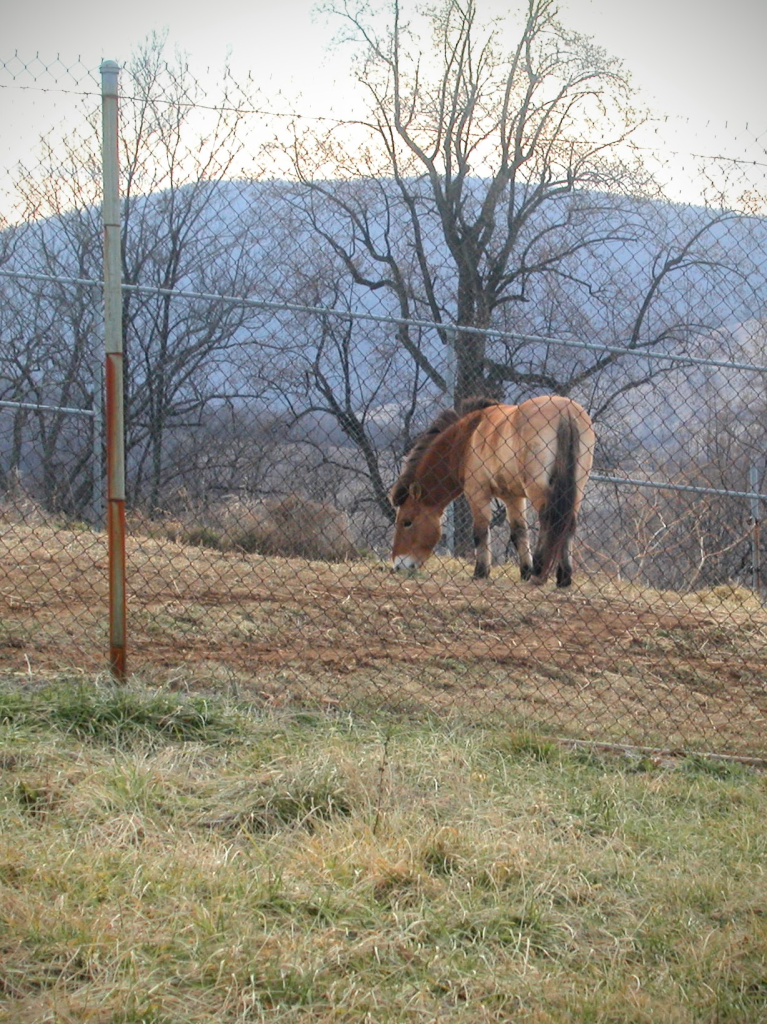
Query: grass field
{"type": "Point", "coordinates": [173, 858]}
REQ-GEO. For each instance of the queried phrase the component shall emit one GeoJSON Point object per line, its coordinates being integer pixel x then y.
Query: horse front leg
{"type": "Point", "coordinates": [483, 557]}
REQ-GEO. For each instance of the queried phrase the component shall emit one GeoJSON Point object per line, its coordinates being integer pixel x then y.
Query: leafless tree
{"type": "Point", "coordinates": [494, 191]}
{"type": "Point", "coordinates": [177, 150]}
{"type": "Point", "coordinates": [49, 328]}
{"type": "Point", "coordinates": [182, 232]}
{"type": "Point", "coordinates": [480, 170]}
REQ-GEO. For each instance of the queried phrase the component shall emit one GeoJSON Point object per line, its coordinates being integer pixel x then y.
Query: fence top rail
{"type": "Point", "coordinates": [37, 407]}
{"type": "Point", "coordinates": [446, 329]}
{"type": "Point", "coordinates": [689, 488]}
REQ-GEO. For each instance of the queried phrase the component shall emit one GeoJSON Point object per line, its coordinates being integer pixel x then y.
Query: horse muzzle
{"type": "Point", "coordinates": [402, 563]}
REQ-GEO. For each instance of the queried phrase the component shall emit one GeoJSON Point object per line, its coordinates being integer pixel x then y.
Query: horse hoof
{"type": "Point", "coordinates": [564, 577]}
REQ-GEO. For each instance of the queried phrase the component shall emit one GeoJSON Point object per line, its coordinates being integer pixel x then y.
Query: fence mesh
{"type": "Point", "coordinates": [294, 318]}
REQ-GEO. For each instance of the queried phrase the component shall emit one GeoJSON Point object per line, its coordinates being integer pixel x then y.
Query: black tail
{"type": "Point", "coordinates": [558, 516]}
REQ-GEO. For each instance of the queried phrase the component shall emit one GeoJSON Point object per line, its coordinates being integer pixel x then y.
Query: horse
{"type": "Point", "coordinates": [541, 450]}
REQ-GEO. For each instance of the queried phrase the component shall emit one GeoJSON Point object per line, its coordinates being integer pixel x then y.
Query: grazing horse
{"type": "Point", "coordinates": [541, 451]}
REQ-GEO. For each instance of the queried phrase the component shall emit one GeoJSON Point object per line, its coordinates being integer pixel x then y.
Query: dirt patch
{"type": "Point", "coordinates": [604, 659]}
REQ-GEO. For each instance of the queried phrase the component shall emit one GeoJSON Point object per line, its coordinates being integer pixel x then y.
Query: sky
{"type": "Point", "coordinates": [700, 61]}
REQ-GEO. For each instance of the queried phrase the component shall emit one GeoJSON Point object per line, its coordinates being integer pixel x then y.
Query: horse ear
{"type": "Point", "coordinates": [415, 491]}
{"type": "Point", "coordinates": [398, 494]}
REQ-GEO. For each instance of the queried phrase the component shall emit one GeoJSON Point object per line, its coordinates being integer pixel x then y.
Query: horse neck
{"type": "Point", "coordinates": [440, 472]}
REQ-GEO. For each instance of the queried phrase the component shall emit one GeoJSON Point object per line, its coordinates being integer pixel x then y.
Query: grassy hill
{"type": "Point", "coordinates": [607, 660]}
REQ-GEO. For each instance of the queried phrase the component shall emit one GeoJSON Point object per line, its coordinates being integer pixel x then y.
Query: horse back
{"type": "Point", "coordinates": [514, 448]}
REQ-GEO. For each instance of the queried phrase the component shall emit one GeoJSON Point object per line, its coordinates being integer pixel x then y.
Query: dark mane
{"type": "Point", "coordinates": [475, 402]}
{"type": "Point", "coordinates": [445, 419]}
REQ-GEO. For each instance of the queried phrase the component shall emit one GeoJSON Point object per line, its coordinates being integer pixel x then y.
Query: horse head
{"type": "Point", "coordinates": [417, 528]}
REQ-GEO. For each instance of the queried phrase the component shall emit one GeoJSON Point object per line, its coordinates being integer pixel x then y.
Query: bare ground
{"type": "Point", "coordinates": [605, 660]}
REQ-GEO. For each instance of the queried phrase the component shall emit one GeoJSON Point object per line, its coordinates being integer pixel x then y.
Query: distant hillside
{"type": "Point", "coordinates": [660, 278]}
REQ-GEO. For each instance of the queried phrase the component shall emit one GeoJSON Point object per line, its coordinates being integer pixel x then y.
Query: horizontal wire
{"type": "Point", "coordinates": [290, 307]}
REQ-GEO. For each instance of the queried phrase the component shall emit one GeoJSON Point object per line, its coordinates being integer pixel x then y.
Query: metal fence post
{"type": "Point", "coordinates": [113, 343]}
{"type": "Point", "coordinates": [753, 482]}
{"type": "Point", "coordinates": [451, 373]}
{"type": "Point", "coordinates": [97, 510]}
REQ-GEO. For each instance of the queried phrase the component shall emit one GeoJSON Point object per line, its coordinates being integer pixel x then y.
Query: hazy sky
{"type": "Point", "coordinates": [702, 59]}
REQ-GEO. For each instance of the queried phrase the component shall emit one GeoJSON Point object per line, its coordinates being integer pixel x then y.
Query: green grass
{"type": "Point", "coordinates": [114, 715]}
{"type": "Point", "coordinates": [165, 858]}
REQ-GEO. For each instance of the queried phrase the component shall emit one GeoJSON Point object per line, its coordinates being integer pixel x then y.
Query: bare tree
{"type": "Point", "coordinates": [49, 328]}
{"type": "Point", "coordinates": [186, 228]}
{"type": "Point", "coordinates": [179, 234]}
{"type": "Point", "coordinates": [480, 171]}
{"type": "Point", "coordinates": [494, 191]}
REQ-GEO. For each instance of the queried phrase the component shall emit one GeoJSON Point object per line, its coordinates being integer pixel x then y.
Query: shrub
{"type": "Point", "coordinates": [18, 506]}
{"type": "Point", "coordinates": [291, 527]}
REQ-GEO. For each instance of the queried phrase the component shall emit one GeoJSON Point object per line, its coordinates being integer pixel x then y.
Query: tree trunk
{"type": "Point", "coordinates": [470, 381]}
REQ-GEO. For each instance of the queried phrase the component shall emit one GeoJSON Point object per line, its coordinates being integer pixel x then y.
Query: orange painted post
{"type": "Point", "coordinates": [113, 344]}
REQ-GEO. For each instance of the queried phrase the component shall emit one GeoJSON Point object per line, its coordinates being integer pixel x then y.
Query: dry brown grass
{"type": "Point", "coordinates": [605, 660]}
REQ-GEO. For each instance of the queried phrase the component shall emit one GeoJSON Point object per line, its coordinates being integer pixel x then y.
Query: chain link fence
{"type": "Point", "coordinates": [295, 314]}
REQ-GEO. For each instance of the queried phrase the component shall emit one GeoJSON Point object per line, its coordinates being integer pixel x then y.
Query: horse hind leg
{"type": "Point", "coordinates": [519, 535]}
{"type": "Point", "coordinates": [553, 548]}
{"type": "Point", "coordinates": [541, 561]}
{"type": "Point", "coordinates": [565, 566]}
{"type": "Point", "coordinates": [482, 552]}
{"type": "Point", "coordinates": [557, 508]}
{"type": "Point", "coordinates": [543, 556]}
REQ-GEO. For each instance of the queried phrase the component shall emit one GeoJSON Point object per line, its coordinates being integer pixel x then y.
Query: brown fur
{"type": "Point", "coordinates": [539, 451]}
